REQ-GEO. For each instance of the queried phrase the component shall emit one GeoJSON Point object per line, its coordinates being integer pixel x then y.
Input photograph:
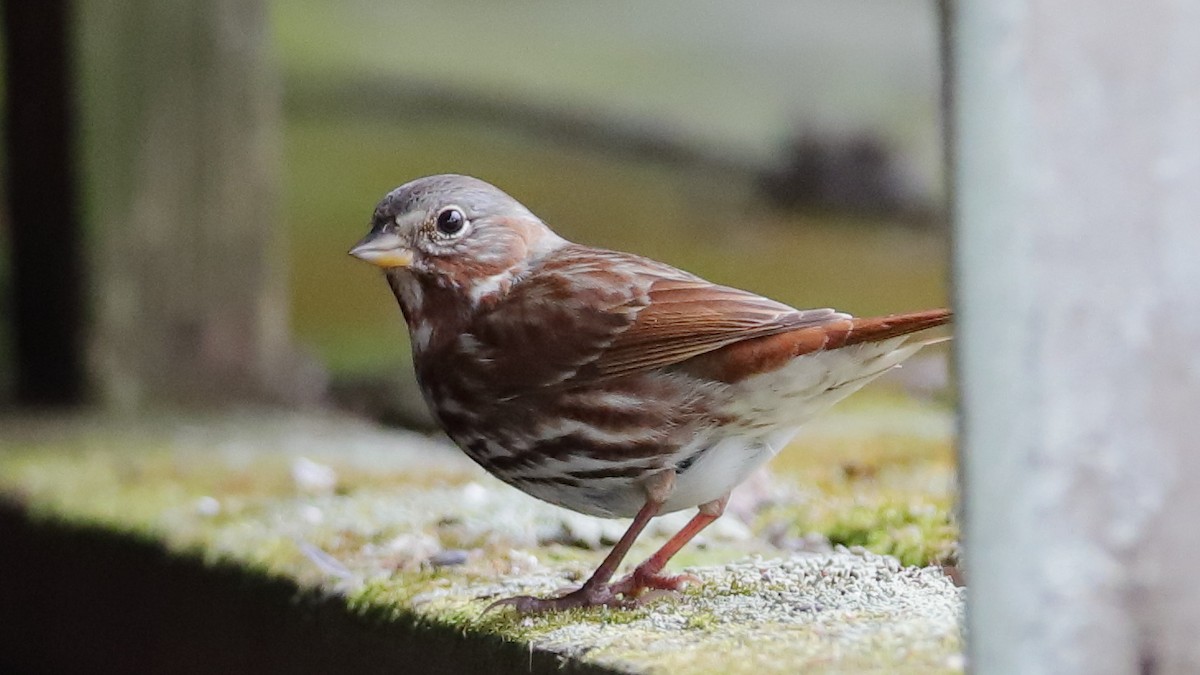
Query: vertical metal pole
{"type": "Point", "coordinates": [1078, 272]}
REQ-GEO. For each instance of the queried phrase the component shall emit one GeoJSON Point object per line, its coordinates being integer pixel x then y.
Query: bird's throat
{"type": "Point", "coordinates": [435, 312]}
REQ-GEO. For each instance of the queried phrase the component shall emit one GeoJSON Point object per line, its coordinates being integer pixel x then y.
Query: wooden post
{"type": "Point", "coordinates": [1078, 276]}
{"type": "Point", "coordinates": [46, 253]}
{"type": "Point", "coordinates": [181, 135]}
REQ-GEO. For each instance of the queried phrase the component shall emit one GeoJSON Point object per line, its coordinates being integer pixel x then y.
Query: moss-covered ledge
{"type": "Point", "coordinates": [300, 543]}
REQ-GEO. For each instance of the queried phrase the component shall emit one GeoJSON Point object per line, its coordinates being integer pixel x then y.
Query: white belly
{"type": "Point", "coordinates": [724, 465]}
{"type": "Point", "coordinates": [773, 406]}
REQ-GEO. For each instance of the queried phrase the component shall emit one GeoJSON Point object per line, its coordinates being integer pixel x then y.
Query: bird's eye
{"type": "Point", "coordinates": [450, 222]}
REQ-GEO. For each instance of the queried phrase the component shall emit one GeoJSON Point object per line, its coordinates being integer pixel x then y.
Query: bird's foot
{"type": "Point", "coordinates": [638, 587]}
{"type": "Point", "coordinates": [597, 595]}
{"type": "Point", "coordinates": [641, 580]}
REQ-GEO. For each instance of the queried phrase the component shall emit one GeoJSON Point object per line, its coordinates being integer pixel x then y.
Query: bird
{"type": "Point", "coordinates": [605, 382]}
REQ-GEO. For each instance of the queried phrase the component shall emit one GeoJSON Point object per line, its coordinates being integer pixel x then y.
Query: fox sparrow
{"type": "Point", "coordinates": [601, 381]}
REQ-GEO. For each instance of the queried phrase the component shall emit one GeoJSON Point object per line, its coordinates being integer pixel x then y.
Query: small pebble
{"type": "Point", "coordinates": [520, 561]}
{"type": "Point", "coordinates": [208, 506]}
{"type": "Point", "coordinates": [448, 558]}
{"type": "Point", "coordinates": [473, 495]}
{"type": "Point", "coordinates": [312, 515]}
{"type": "Point", "coordinates": [412, 547]}
{"type": "Point", "coordinates": [313, 478]}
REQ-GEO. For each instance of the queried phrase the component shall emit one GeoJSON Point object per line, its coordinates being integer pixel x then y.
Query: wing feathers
{"type": "Point", "coordinates": [686, 318]}
{"type": "Point", "coordinates": [604, 314]}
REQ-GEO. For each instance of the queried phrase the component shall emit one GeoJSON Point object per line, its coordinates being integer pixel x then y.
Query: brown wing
{"type": "Point", "coordinates": [589, 314]}
{"type": "Point", "coordinates": [686, 317]}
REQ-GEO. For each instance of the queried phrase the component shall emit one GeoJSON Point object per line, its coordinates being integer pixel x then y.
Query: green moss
{"type": "Point", "coordinates": [536, 627]}
{"type": "Point", "coordinates": [702, 621]}
{"type": "Point", "coordinates": [383, 601]}
{"type": "Point", "coordinates": [891, 490]}
{"type": "Point", "coordinates": [915, 534]}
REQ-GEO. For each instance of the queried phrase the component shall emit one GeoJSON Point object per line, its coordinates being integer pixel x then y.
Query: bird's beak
{"type": "Point", "coordinates": [385, 249]}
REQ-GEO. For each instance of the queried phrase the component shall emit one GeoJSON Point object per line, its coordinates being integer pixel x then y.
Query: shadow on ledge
{"type": "Point", "coordinates": [78, 599]}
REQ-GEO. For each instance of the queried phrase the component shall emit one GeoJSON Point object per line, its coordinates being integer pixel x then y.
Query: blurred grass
{"type": "Point", "coordinates": [735, 76]}
{"type": "Point", "coordinates": [877, 472]}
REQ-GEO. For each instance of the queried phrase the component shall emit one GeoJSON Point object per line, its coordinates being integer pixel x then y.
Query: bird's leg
{"type": "Point", "coordinates": [597, 590]}
{"type": "Point", "coordinates": [649, 576]}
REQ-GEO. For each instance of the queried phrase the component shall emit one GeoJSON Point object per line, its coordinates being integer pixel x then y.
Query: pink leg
{"type": "Point", "coordinates": [596, 590]}
{"type": "Point", "coordinates": [649, 576]}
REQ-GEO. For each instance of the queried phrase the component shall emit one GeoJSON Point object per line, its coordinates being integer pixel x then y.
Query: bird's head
{"type": "Point", "coordinates": [456, 232]}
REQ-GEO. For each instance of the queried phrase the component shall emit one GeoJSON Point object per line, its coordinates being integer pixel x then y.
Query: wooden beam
{"type": "Point", "coordinates": [46, 247]}
{"type": "Point", "coordinates": [182, 160]}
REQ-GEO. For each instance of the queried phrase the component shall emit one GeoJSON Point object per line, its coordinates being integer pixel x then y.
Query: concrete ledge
{"type": "Point", "coordinates": [293, 543]}
{"type": "Point", "coordinates": [81, 598]}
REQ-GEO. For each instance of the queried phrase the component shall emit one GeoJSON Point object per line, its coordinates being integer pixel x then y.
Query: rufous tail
{"type": "Point", "coordinates": [879, 328]}
{"type": "Point", "coordinates": [758, 355]}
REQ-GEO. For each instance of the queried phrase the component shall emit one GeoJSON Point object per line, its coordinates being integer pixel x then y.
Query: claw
{"type": "Point", "coordinates": [639, 581]}
{"type": "Point", "coordinates": [634, 590]}
{"type": "Point", "coordinates": [584, 597]}
{"type": "Point", "coordinates": [524, 604]}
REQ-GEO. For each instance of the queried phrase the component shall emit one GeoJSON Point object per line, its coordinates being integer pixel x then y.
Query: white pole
{"type": "Point", "coordinates": [1078, 274]}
